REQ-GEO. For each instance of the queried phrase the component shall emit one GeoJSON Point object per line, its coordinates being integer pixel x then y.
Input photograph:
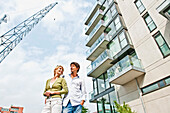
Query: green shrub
{"type": "Point", "coordinates": [124, 108]}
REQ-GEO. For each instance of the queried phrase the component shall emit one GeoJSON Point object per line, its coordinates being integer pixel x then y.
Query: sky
{"type": "Point", "coordinates": [58, 39]}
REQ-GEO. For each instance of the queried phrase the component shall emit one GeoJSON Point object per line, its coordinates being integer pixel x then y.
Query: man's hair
{"type": "Point", "coordinates": [77, 65]}
{"type": "Point", "coordinates": [57, 68]}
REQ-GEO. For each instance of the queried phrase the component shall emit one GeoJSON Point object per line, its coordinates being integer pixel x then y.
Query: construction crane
{"type": "Point", "coordinates": [4, 19]}
{"type": "Point", "coordinates": [10, 39]}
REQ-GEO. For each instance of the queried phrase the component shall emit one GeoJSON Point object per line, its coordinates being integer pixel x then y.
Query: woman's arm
{"type": "Point", "coordinates": [45, 91]}
{"type": "Point", "coordinates": [64, 89]}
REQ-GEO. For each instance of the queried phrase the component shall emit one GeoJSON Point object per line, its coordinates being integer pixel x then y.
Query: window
{"type": "Point", "coordinates": [156, 85]}
{"type": "Point", "coordinates": [163, 46]}
{"type": "Point", "coordinates": [112, 97]}
{"type": "Point", "coordinates": [118, 43]}
{"type": "Point", "coordinates": [107, 84]}
{"type": "Point", "coordinates": [117, 23]}
{"type": "Point", "coordinates": [107, 17]}
{"type": "Point", "coordinates": [101, 85]}
{"type": "Point", "coordinates": [113, 10]}
{"type": "Point", "coordinates": [95, 87]}
{"type": "Point", "coordinates": [109, 1]}
{"type": "Point", "coordinates": [149, 22]}
{"type": "Point", "coordinates": [140, 6]}
{"type": "Point", "coordinates": [167, 13]}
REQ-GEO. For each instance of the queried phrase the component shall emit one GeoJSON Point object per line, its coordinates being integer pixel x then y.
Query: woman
{"type": "Point", "coordinates": [53, 90]}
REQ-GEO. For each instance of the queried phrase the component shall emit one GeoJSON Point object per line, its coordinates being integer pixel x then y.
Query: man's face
{"type": "Point", "coordinates": [73, 68]}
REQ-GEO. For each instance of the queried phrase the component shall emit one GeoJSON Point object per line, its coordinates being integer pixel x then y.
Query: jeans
{"type": "Point", "coordinates": [72, 109]}
{"type": "Point", "coordinates": [53, 105]}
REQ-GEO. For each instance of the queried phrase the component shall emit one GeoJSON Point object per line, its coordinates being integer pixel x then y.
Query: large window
{"type": "Point", "coordinates": [107, 17]}
{"type": "Point", "coordinates": [101, 85]}
{"type": "Point", "coordinates": [140, 6]}
{"type": "Point", "coordinates": [100, 105]}
{"type": "Point", "coordinates": [109, 1]}
{"type": "Point", "coordinates": [118, 43]}
{"type": "Point", "coordinates": [115, 26]}
{"type": "Point", "coordinates": [149, 22]}
{"type": "Point", "coordinates": [157, 85]}
{"type": "Point", "coordinates": [163, 46]}
{"type": "Point", "coordinates": [112, 97]}
{"type": "Point", "coordinates": [106, 103]}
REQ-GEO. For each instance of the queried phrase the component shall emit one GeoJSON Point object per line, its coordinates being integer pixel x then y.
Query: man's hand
{"type": "Point", "coordinates": [82, 102]}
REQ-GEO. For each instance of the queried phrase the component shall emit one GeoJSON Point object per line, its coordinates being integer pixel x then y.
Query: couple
{"type": "Point", "coordinates": [71, 85]}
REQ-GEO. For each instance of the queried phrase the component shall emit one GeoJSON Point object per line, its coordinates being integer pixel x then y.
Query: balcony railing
{"type": "Point", "coordinates": [98, 12]}
{"type": "Point", "coordinates": [103, 61]}
{"type": "Point", "coordinates": [95, 33]}
{"type": "Point", "coordinates": [125, 70]}
{"type": "Point", "coordinates": [98, 47]}
{"type": "Point", "coordinates": [93, 12]}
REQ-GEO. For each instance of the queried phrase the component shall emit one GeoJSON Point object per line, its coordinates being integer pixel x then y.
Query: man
{"type": "Point", "coordinates": [74, 100]}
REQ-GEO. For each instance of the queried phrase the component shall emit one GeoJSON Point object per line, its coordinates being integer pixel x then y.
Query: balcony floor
{"type": "Point", "coordinates": [98, 50]}
{"type": "Point", "coordinates": [127, 75]}
{"type": "Point", "coordinates": [96, 35]}
{"type": "Point", "coordinates": [104, 65]}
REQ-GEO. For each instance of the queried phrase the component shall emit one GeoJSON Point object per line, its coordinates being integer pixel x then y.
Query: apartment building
{"type": "Point", "coordinates": [12, 109]}
{"type": "Point", "coordinates": [129, 48]}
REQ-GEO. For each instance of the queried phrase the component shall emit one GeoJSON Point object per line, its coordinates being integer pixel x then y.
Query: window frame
{"type": "Point", "coordinates": [139, 7]}
{"type": "Point", "coordinates": [154, 36]}
{"type": "Point", "coordinates": [147, 24]}
{"type": "Point", "coordinates": [158, 83]}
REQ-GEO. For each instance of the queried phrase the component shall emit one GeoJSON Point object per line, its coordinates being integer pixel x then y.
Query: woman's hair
{"type": "Point", "coordinates": [57, 68]}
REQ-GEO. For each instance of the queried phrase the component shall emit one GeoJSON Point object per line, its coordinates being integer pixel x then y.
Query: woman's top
{"type": "Point", "coordinates": [59, 85]}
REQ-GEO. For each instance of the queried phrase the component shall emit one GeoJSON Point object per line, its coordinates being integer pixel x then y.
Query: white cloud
{"type": "Point", "coordinates": [25, 70]}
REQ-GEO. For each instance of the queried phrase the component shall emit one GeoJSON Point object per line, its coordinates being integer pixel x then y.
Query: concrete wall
{"type": "Point", "coordinates": [155, 65]}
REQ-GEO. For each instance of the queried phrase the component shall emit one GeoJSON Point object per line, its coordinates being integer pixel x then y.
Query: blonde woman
{"type": "Point", "coordinates": [53, 90]}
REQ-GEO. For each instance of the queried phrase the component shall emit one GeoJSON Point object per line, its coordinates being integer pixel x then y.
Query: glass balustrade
{"type": "Point", "coordinates": [97, 42]}
{"type": "Point", "coordinates": [100, 39]}
{"type": "Point", "coordinates": [94, 30]}
{"type": "Point", "coordinates": [97, 62]}
{"type": "Point", "coordinates": [124, 64]}
{"type": "Point", "coordinates": [99, 11]}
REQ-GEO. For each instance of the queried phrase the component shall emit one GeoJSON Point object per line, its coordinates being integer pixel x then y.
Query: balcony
{"type": "Point", "coordinates": [164, 9]}
{"type": "Point", "coordinates": [100, 65]}
{"type": "Point", "coordinates": [125, 70]}
{"type": "Point", "coordinates": [98, 47]}
{"type": "Point", "coordinates": [95, 19]}
{"type": "Point", "coordinates": [96, 32]}
{"type": "Point", "coordinates": [96, 7]}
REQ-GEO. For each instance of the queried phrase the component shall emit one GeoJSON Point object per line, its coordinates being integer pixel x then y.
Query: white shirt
{"type": "Point", "coordinates": [76, 91]}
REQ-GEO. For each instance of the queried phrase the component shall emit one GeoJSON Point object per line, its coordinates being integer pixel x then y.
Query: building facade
{"type": "Point", "coordinates": [13, 109]}
{"type": "Point", "coordinates": [129, 48]}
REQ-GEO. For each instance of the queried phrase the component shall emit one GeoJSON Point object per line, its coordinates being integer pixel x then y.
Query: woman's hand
{"type": "Point", "coordinates": [55, 93]}
{"type": "Point", "coordinates": [47, 93]}
{"type": "Point", "coordinates": [45, 100]}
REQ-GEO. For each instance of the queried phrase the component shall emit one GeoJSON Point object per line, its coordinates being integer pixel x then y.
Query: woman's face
{"type": "Point", "coordinates": [59, 71]}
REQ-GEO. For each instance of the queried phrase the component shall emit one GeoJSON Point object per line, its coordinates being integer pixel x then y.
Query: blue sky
{"type": "Point", "coordinates": [57, 39]}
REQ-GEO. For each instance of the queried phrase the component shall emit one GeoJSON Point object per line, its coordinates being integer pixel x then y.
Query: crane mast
{"type": "Point", "coordinates": [10, 39]}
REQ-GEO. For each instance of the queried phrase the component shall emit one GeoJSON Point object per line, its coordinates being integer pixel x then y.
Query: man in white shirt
{"type": "Point", "coordinates": [74, 100]}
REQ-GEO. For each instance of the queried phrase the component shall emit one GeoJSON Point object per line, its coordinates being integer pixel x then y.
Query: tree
{"type": "Point", "coordinates": [124, 108]}
{"type": "Point", "coordinates": [84, 110]}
